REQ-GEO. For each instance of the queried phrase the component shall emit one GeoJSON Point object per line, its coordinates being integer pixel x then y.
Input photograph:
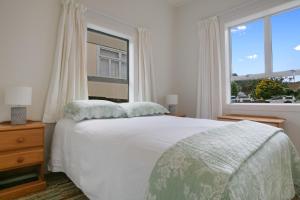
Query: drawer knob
{"type": "Point", "coordinates": [20, 160]}
{"type": "Point", "coordinates": [20, 140]}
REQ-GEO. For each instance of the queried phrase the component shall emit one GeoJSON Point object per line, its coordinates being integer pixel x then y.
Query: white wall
{"type": "Point", "coordinates": [186, 57]}
{"type": "Point", "coordinates": [27, 42]}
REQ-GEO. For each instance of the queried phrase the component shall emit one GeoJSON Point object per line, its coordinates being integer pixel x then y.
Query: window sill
{"type": "Point", "coordinates": [263, 107]}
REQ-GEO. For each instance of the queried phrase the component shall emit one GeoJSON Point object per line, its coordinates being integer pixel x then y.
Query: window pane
{"type": "Point", "coordinates": [107, 65]}
{"type": "Point", "coordinates": [124, 71]}
{"type": "Point", "coordinates": [124, 57]}
{"type": "Point", "coordinates": [104, 67]}
{"type": "Point", "coordinates": [294, 86]}
{"type": "Point", "coordinates": [243, 91]}
{"type": "Point", "coordinates": [109, 53]}
{"type": "Point", "coordinates": [286, 40]}
{"type": "Point", "coordinates": [273, 90]}
{"type": "Point", "coordinates": [114, 71]}
{"type": "Point", "coordinates": [247, 48]}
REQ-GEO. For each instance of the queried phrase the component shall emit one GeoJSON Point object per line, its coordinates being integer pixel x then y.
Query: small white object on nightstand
{"type": "Point", "coordinates": [18, 98]}
{"type": "Point", "coordinates": [172, 101]}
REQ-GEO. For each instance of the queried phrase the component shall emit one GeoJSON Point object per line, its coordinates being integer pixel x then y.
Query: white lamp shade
{"type": "Point", "coordinates": [172, 99]}
{"type": "Point", "coordinates": [18, 96]}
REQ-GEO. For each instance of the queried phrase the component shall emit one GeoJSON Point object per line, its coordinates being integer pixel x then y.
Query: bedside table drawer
{"type": "Point", "coordinates": [12, 140]}
{"type": "Point", "coordinates": [21, 158]}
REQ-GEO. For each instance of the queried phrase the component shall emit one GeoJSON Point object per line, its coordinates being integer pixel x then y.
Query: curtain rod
{"type": "Point", "coordinates": [111, 17]}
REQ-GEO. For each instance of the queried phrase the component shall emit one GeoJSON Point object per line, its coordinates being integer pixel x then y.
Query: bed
{"type": "Point", "coordinates": [112, 159]}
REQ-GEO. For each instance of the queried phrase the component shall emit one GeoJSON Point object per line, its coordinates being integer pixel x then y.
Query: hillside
{"type": "Point", "coordinates": [294, 86]}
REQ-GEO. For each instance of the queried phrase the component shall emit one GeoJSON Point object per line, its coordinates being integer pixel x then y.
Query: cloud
{"type": "Point", "coordinates": [238, 28]}
{"type": "Point", "coordinates": [252, 57]}
{"type": "Point", "coordinates": [297, 48]}
{"type": "Point", "coordinates": [242, 28]}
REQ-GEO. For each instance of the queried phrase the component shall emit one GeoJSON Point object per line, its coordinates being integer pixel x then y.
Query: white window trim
{"type": "Point", "coordinates": [262, 14]}
{"type": "Point", "coordinates": [268, 62]}
{"type": "Point", "coordinates": [268, 47]}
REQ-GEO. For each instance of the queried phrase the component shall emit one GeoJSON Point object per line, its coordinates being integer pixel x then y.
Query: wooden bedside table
{"type": "Point", "coordinates": [273, 121]}
{"type": "Point", "coordinates": [21, 154]}
{"type": "Point", "coordinates": [177, 114]}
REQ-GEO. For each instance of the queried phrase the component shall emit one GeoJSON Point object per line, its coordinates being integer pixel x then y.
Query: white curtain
{"type": "Point", "coordinates": [69, 74]}
{"type": "Point", "coordinates": [209, 79]}
{"type": "Point", "coordinates": [146, 81]}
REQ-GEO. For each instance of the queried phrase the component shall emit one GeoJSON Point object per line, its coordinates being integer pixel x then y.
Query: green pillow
{"type": "Point", "coordinates": [93, 109]}
{"type": "Point", "coordinates": [137, 109]}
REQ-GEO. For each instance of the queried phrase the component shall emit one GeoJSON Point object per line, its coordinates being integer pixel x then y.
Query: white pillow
{"type": "Point", "coordinates": [137, 109]}
{"type": "Point", "coordinates": [93, 109]}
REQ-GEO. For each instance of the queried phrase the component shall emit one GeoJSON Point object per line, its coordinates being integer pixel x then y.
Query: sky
{"type": "Point", "coordinates": [248, 44]}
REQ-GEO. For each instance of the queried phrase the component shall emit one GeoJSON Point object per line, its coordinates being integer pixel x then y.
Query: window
{"type": "Point", "coordinates": [108, 65]}
{"type": "Point", "coordinates": [248, 48]}
{"type": "Point", "coordinates": [265, 59]}
{"type": "Point", "coordinates": [111, 63]}
{"type": "Point", "coordinates": [286, 40]}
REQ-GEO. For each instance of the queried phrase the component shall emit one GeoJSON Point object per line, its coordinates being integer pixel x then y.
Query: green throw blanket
{"type": "Point", "coordinates": [213, 165]}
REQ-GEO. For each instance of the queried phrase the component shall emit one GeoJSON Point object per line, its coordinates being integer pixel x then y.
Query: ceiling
{"type": "Point", "coordinates": [178, 2]}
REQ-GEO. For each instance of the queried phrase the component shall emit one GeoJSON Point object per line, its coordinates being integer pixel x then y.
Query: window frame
{"type": "Point", "coordinates": [105, 79]}
{"type": "Point", "coordinates": [266, 15]}
{"type": "Point", "coordinates": [129, 64]}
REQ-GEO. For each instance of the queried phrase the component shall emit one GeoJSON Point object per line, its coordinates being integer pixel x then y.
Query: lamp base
{"type": "Point", "coordinates": [18, 115]}
{"type": "Point", "coordinates": [172, 109]}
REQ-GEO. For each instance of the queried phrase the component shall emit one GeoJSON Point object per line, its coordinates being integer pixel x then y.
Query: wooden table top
{"type": "Point", "coordinates": [268, 119]}
{"type": "Point", "coordinates": [7, 126]}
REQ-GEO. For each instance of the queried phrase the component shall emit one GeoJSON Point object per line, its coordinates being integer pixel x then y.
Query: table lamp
{"type": "Point", "coordinates": [18, 98]}
{"type": "Point", "coordinates": [172, 101]}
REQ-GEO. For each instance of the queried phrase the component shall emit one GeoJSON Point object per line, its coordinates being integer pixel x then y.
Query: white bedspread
{"type": "Point", "coordinates": [112, 159]}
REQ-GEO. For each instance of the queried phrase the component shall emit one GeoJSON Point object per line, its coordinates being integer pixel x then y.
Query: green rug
{"type": "Point", "coordinates": [59, 187]}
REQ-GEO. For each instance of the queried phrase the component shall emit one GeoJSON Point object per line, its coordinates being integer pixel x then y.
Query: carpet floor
{"type": "Point", "coordinates": [59, 187]}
